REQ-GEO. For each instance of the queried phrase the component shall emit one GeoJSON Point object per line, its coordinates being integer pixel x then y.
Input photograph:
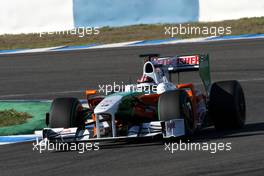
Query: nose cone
{"type": "Point", "coordinates": [108, 105]}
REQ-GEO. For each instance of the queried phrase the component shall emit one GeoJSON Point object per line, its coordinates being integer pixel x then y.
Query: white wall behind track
{"type": "Point", "coordinates": [25, 16]}
{"type": "Point", "coordinates": [218, 10]}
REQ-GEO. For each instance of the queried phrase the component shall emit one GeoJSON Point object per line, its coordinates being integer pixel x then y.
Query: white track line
{"type": "Point", "coordinates": [44, 93]}
{"type": "Point", "coordinates": [250, 80]}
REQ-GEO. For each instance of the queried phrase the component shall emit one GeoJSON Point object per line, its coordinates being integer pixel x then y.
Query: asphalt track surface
{"type": "Point", "coordinates": [49, 75]}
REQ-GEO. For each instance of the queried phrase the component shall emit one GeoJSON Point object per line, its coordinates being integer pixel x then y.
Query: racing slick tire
{"type": "Point", "coordinates": [177, 104]}
{"type": "Point", "coordinates": [65, 113]}
{"type": "Point", "coordinates": [227, 107]}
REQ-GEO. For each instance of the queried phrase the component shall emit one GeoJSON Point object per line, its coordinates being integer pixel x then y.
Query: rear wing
{"type": "Point", "coordinates": [183, 63]}
{"type": "Point", "coordinates": [177, 63]}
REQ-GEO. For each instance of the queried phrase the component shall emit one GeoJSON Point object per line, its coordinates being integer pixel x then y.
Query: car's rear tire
{"type": "Point", "coordinates": [177, 104]}
{"type": "Point", "coordinates": [227, 107]}
{"type": "Point", "coordinates": [65, 113]}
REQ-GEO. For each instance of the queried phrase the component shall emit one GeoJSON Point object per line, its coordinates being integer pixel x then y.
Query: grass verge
{"type": "Point", "coordinates": [127, 33]}
{"type": "Point", "coordinates": [12, 117]}
{"type": "Point", "coordinates": [36, 109]}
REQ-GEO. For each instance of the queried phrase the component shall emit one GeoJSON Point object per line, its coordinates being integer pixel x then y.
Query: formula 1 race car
{"type": "Point", "coordinates": [154, 106]}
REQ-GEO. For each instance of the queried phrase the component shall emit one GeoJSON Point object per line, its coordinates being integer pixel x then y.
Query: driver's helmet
{"type": "Point", "coordinates": [145, 79]}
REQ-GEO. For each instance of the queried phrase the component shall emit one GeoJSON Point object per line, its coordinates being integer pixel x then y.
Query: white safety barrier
{"type": "Point", "coordinates": [26, 16]}
{"type": "Point", "coordinates": [218, 10]}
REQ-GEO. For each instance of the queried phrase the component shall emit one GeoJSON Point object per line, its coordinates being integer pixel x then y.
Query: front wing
{"type": "Point", "coordinates": [167, 129]}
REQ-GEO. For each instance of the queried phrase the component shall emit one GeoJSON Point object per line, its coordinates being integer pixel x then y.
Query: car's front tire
{"type": "Point", "coordinates": [177, 104]}
{"type": "Point", "coordinates": [65, 113]}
